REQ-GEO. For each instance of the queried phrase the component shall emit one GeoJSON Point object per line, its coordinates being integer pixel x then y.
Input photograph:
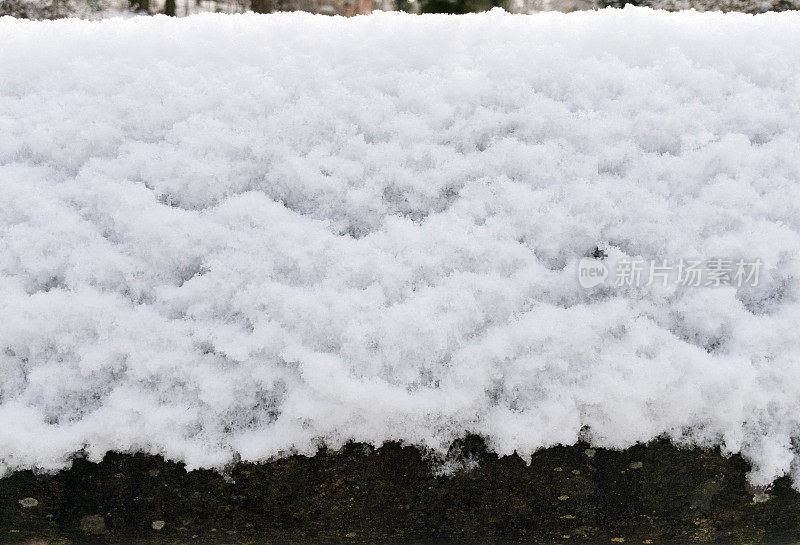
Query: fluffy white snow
{"type": "Point", "coordinates": [246, 236]}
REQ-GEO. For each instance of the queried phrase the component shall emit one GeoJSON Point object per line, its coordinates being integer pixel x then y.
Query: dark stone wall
{"type": "Point", "coordinates": [646, 494]}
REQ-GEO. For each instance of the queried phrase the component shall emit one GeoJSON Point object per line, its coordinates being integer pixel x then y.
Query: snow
{"type": "Point", "coordinates": [243, 236]}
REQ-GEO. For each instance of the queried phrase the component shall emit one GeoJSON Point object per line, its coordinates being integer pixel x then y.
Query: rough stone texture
{"type": "Point", "coordinates": [93, 524]}
{"type": "Point", "coordinates": [646, 494]}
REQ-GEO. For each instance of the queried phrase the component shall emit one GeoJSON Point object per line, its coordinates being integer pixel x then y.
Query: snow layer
{"type": "Point", "coordinates": [243, 236]}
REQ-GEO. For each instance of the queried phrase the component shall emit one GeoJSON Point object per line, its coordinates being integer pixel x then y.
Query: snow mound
{"type": "Point", "coordinates": [244, 236]}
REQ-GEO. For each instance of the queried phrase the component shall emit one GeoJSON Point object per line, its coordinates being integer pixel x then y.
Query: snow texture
{"type": "Point", "coordinates": [230, 237]}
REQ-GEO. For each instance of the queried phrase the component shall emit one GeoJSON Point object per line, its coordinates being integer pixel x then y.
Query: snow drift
{"type": "Point", "coordinates": [243, 236]}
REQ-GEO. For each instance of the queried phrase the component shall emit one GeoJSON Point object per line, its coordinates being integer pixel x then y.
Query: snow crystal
{"type": "Point", "coordinates": [244, 236]}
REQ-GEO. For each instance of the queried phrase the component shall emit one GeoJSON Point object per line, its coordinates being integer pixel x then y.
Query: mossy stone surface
{"type": "Point", "coordinates": [646, 494]}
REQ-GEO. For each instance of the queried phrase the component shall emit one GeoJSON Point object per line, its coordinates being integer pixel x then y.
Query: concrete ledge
{"type": "Point", "coordinates": [646, 494]}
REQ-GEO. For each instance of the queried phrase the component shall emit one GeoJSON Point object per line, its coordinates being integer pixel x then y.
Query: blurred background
{"type": "Point", "coordinates": [97, 9]}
